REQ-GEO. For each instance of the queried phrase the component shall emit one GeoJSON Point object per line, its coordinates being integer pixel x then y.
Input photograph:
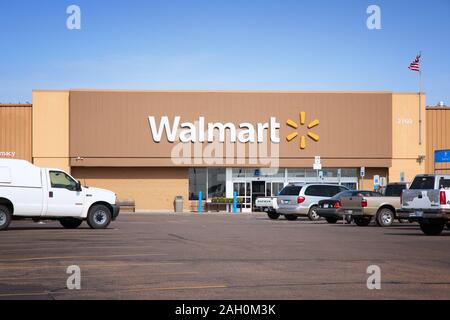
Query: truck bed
{"type": "Point", "coordinates": [420, 199]}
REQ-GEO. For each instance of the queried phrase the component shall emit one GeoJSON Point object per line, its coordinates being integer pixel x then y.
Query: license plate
{"type": "Point", "coordinates": [416, 214]}
{"type": "Point", "coordinates": [326, 206]}
{"type": "Point", "coordinates": [348, 211]}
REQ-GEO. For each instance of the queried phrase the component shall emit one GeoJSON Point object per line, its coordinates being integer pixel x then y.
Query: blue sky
{"type": "Point", "coordinates": [223, 44]}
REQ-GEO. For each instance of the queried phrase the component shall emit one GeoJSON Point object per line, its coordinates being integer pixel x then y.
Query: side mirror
{"type": "Point", "coordinates": [78, 189]}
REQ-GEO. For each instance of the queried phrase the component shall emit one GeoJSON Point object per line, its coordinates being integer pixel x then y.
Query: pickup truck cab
{"type": "Point", "coordinates": [367, 205]}
{"type": "Point", "coordinates": [27, 191]}
{"type": "Point", "coordinates": [428, 202]}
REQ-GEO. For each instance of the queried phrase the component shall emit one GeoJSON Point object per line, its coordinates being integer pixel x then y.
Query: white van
{"type": "Point", "coordinates": [27, 191]}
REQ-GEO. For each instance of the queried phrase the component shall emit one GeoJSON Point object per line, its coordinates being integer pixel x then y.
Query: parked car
{"type": "Point", "coordinates": [269, 205]}
{"type": "Point", "coordinates": [27, 191]}
{"type": "Point", "coordinates": [331, 209]}
{"type": "Point", "coordinates": [303, 199]}
{"type": "Point", "coordinates": [428, 202]}
{"type": "Point", "coordinates": [367, 205]}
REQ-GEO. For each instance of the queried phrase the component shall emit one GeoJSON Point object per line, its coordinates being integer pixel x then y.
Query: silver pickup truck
{"type": "Point", "coordinates": [428, 202]}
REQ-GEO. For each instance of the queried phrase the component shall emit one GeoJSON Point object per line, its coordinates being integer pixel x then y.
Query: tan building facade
{"type": "Point", "coordinates": [150, 146]}
{"type": "Point", "coordinates": [15, 132]}
{"type": "Point", "coordinates": [438, 137]}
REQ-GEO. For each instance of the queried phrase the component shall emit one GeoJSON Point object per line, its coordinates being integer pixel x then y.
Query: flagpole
{"type": "Point", "coordinates": [420, 107]}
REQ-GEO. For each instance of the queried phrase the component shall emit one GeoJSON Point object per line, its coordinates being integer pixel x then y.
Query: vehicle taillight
{"type": "Point", "coordinates": [337, 205]}
{"type": "Point", "coordinates": [300, 200]}
{"type": "Point", "coordinates": [443, 197]}
{"type": "Point", "coordinates": [364, 203]}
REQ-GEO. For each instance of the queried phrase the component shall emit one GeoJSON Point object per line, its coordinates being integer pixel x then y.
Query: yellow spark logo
{"type": "Point", "coordinates": [294, 125]}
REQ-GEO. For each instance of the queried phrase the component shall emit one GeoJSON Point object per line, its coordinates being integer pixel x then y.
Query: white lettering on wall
{"type": "Point", "coordinates": [164, 125]}
{"type": "Point", "coordinates": [215, 132]}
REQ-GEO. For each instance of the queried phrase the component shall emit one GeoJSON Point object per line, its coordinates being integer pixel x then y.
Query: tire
{"type": "Point", "coordinates": [290, 217]}
{"type": "Point", "coordinates": [331, 220]}
{"type": "Point", "coordinates": [432, 229]}
{"type": "Point", "coordinates": [70, 223]}
{"type": "Point", "coordinates": [385, 217]}
{"type": "Point", "coordinates": [5, 217]}
{"type": "Point", "coordinates": [99, 217]}
{"type": "Point", "coordinates": [362, 221]}
{"type": "Point", "coordinates": [273, 215]}
{"type": "Point", "coordinates": [312, 214]}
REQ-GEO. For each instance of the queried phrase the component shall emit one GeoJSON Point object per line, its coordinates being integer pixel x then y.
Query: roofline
{"type": "Point", "coordinates": [230, 91]}
{"type": "Point", "coordinates": [25, 105]}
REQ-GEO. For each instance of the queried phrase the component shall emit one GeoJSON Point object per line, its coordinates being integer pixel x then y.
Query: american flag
{"type": "Point", "coordinates": [415, 65]}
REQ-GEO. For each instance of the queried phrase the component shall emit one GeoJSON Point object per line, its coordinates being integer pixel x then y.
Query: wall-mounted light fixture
{"type": "Point", "coordinates": [420, 159]}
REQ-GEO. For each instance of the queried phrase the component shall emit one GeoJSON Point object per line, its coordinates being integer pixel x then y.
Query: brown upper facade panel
{"type": "Point", "coordinates": [114, 124]}
{"type": "Point", "coordinates": [15, 131]}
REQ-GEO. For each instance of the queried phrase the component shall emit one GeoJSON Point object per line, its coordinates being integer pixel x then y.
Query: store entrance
{"type": "Point", "coordinates": [258, 191]}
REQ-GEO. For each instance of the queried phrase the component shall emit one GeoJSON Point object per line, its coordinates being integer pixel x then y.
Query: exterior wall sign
{"type": "Point", "coordinates": [202, 132]}
{"type": "Point", "coordinates": [442, 156]}
{"type": "Point", "coordinates": [254, 129]}
{"type": "Point", "coordinates": [7, 154]}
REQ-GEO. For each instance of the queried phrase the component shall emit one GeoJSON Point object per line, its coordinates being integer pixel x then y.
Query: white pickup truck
{"type": "Point", "coordinates": [27, 191]}
{"type": "Point", "coordinates": [269, 205]}
{"type": "Point", "coordinates": [427, 201]}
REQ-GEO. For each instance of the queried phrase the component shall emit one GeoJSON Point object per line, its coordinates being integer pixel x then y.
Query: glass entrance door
{"type": "Point", "coordinates": [273, 188]}
{"type": "Point", "coordinates": [244, 195]}
{"type": "Point", "coordinates": [258, 191]}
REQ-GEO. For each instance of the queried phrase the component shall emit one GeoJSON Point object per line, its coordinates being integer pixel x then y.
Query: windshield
{"type": "Point", "coordinates": [291, 191]}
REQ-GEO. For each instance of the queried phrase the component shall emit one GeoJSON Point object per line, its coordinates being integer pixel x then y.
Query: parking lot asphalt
{"type": "Point", "coordinates": [222, 256]}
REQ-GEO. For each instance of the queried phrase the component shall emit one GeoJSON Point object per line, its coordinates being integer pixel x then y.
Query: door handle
{"type": "Point", "coordinates": [50, 194]}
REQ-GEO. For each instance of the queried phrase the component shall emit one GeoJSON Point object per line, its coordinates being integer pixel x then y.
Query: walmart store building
{"type": "Point", "coordinates": [150, 146]}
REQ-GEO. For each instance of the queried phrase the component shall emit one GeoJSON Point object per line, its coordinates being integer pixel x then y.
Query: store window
{"type": "Point", "coordinates": [310, 173]}
{"type": "Point", "coordinates": [216, 182]}
{"type": "Point", "coordinates": [296, 173]}
{"type": "Point", "coordinates": [258, 172]}
{"type": "Point", "coordinates": [197, 183]}
{"type": "Point", "coordinates": [273, 188]}
{"type": "Point", "coordinates": [349, 173]}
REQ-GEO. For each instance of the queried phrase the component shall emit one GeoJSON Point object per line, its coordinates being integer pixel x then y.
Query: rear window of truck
{"type": "Point", "coordinates": [424, 183]}
{"type": "Point", "coordinates": [291, 191]}
{"type": "Point", "coordinates": [394, 190]}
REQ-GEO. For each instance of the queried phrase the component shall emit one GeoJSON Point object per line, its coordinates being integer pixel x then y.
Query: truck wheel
{"type": "Point", "coordinates": [70, 223]}
{"type": "Point", "coordinates": [312, 214]}
{"type": "Point", "coordinates": [5, 217]}
{"type": "Point", "coordinates": [332, 220]}
{"type": "Point", "coordinates": [432, 229]}
{"type": "Point", "coordinates": [273, 215]}
{"type": "Point", "coordinates": [99, 217]}
{"type": "Point", "coordinates": [290, 217]}
{"type": "Point", "coordinates": [385, 217]}
{"type": "Point", "coordinates": [362, 221]}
